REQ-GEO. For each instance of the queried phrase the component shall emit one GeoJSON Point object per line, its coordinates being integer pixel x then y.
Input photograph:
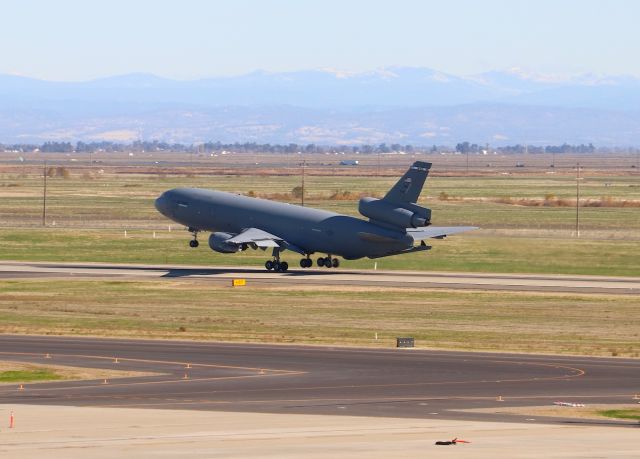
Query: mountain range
{"type": "Point", "coordinates": [420, 106]}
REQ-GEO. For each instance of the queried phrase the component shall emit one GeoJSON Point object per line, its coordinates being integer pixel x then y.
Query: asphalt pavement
{"type": "Point", "coordinates": [326, 277]}
{"type": "Point", "coordinates": [408, 383]}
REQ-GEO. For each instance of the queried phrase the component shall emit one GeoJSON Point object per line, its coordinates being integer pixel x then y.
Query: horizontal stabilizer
{"type": "Point", "coordinates": [438, 232]}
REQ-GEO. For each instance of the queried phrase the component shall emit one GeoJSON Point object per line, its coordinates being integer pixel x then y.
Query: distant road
{"type": "Point", "coordinates": [405, 383]}
{"type": "Point", "coordinates": [330, 277]}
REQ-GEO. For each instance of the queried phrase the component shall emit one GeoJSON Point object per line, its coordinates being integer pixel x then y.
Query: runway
{"type": "Point", "coordinates": [323, 276]}
{"type": "Point", "coordinates": [400, 383]}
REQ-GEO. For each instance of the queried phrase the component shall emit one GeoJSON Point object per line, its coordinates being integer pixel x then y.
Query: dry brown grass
{"type": "Point", "coordinates": [549, 200]}
{"type": "Point", "coordinates": [197, 309]}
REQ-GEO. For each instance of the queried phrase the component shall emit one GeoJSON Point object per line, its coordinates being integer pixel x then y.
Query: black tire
{"type": "Point", "coordinates": [269, 265]}
{"type": "Point", "coordinates": [193, 243]}
{"type": "Point", "coordinates": [320, 262]}
{"type": "Point", "coordinates": [335, 263]}
{"type": "Point", "coordinates": [303, 263]}
{"type": "Point", "coordinates": [308, 263]}
{"type": "Point", "coordinates": [327, 262]}
{"type": "Point", "coordinates": [284, 266]}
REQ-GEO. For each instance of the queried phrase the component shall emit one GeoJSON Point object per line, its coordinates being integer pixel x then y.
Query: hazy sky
{"type": "Point", "coordinates": [77, 40]}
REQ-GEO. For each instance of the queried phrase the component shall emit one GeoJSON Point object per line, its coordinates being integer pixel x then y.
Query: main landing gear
{"type": "Point", "coordinates": [276, 264]}
{"type": "Point", "coordinates": [193, 243]}
{"type": "Point", "coordinates": [283, 266]}
{"type": "Point", "coordinates": [328, 262]}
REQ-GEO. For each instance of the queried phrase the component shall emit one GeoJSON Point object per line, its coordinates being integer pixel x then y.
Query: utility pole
{"type": "Point", "coordinates": [44, 194]}
{"type": "Point", "coordinates": [467, 162]}
{"type": "Point", "coordinates": [304, 163]}
{"type": "Point", "coordinates": [578, 200]}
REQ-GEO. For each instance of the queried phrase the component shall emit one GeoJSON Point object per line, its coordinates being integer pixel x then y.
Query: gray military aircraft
{"type": "Point", "coordinates": [396, 223]}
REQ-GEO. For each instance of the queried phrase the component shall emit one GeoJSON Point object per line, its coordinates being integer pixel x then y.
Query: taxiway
{"type": "Point", "coordinates": [400, 383]}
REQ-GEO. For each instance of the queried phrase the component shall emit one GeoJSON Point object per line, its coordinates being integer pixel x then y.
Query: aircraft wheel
{"type": "Point", "coordinates": [269, 265]}
{"type": "Point", "coordinates": [327, 262]}
{"type": "Point", "coordinates": [320, 262]}
{"type": "Point", "coordinates": [308, 263]}
{"type": "Point", "coordinates": [335, 262]}
{"type": "Point", "coordinates": [193, 243]}
{"type": "Point", "coordinates": [284, 266]}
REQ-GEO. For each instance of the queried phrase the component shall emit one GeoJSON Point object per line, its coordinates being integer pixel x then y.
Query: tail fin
{"type": "Point", "coordinates": [409, 187]}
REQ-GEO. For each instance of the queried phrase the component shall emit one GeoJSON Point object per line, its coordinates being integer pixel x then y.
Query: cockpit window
{"type": "Point", "coordinates": [183, 204]}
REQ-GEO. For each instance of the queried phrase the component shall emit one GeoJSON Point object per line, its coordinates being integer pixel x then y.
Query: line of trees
{"type": "Point", "coordinates": [253, 147]}
{"type": "Point", "coordinates": [466, 147]}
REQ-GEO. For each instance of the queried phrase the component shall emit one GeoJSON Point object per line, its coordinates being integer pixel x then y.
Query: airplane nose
{"type": "Point", "coordinates": [162, 204]}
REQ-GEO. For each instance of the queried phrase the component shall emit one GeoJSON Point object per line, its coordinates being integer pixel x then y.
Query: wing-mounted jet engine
{"type": "Point", "coordinates": [218, 243]}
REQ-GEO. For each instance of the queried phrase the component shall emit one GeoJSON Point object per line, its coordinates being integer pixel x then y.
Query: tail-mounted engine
{"type": "Point", "coordinates": [398, 215]}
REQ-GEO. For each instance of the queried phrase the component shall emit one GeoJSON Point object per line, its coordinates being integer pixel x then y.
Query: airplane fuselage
{"type": "Point", "coordinates": [312, 230]}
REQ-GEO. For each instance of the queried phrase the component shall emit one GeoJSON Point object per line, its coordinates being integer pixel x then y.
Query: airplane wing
{"type": "Point", "coordinates": [437, 232]}
{"type": "Point", "coordinates": [256, 236]}
{"type": "Point", "coordinates": [262, 239]}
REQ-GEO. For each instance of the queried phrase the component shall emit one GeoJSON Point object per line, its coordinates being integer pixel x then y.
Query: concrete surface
{"type": "Point", "coordinates": [69, 432]}
{"type": "Point", "coordinates": [285, 379]}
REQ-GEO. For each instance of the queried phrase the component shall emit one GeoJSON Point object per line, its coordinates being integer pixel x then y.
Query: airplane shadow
{"type": "Point", "coordinates": [186, 272]}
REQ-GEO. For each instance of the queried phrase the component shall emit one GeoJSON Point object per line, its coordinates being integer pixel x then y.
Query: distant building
{"type": "Point", "coordinates": [349, 162]}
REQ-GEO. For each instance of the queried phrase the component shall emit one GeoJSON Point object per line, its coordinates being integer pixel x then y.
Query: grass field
{"type": "Point", "coordinates": [37, 374]}
{"type": "Point", "coordinates": [621, 414]}
{"type": "Point", "coordinates": [479, 253]}
{"type": "Point", "coordinates": [187, 309]}
{"type": "Point", "coordinates": [24, 372]}
{"type": "Point", "coordinates": [126, 199]}
{"type": "Point", "coordinates": [88, 212]}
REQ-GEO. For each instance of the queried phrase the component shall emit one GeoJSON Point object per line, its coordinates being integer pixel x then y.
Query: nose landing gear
{"type": "Point", "coordinates": [193, 243]}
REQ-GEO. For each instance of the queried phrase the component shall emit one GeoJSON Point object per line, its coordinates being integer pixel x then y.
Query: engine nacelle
{"type": "Point", "coordinates": [399, 215]}
{"type": "Point", "coordinates": [217, 242]}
